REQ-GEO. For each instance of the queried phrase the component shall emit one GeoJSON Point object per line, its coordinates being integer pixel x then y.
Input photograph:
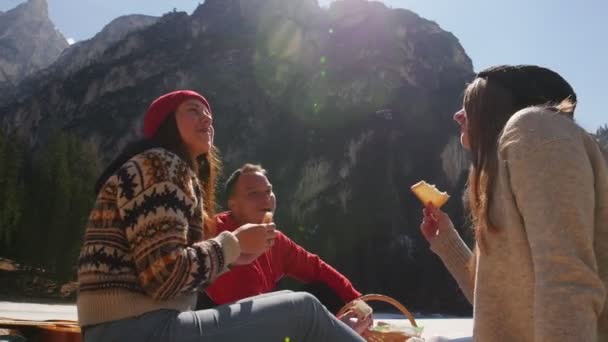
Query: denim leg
{"type": "Point", "coordinates": [279, 316]}
{"type": "Point", "coordinates": [145, 328]}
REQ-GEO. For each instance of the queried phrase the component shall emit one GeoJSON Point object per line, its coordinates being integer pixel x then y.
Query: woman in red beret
{"type": "Point", "coordinates": [145, 256]}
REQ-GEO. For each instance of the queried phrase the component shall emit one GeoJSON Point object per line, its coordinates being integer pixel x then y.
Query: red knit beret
{"type": "Point", "coordinates": [165, 105]}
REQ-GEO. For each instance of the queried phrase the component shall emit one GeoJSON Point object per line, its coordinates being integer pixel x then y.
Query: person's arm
{"type": "Point", "coordinates": [307, 267]}
{"type": "Point", "coordinates": [553, 185]}
{"type": "Point", "coordinates": [155, 213]}
{"type": "Point", "coordinates": [453, 252]}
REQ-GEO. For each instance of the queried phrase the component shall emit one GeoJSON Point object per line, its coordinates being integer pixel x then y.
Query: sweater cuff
{"type": "Point", "coordinates": [451, 249]}
{"type": "Point", "coordinates": [230, 247]}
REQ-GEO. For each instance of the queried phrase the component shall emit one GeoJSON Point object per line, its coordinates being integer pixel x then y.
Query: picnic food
{"type": "Point", "coordinates": [267, 217]}
{"type": "Point", "coordinates": [385, 332]}
{"type": "Point", "coordinates": [361, 309]}
{"type": "Point", "coordinates": [428, 193]}
{"type": "Point", "coordinates": [395, 328]}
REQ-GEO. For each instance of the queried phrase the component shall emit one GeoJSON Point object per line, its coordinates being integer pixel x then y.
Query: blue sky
{"type": "Point", "coordinates": [569, 37]}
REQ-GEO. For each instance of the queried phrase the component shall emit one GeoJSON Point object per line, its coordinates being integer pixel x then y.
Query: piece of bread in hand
{"type": "Point", "coordinates": [428, 193]}
{"type": "Point", "coordinates": [361, 308]}
{"type": "Point", "coordinates": [267, 217]}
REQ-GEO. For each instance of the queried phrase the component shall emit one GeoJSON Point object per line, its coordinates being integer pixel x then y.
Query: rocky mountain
{"type": "Point", "coordinates": [345, 106]}
{"type": "Point", "coordinates": [29, 41]}
{"type": "Point", "coordinates": [83, 53]}
{"type": "Point", "coordinates": [78, 55]}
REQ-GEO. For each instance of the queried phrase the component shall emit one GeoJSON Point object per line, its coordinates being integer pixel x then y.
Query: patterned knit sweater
{"type": "Point", "coordinates": [143, 247]}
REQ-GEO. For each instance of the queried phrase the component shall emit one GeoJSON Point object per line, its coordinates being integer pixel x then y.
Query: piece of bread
{"type": "Point", "coordinates": [428, 193]}
{"type": "Point", "coordinates": [361, 308]}
{"type": "Point", "coordinates": [267, 217]}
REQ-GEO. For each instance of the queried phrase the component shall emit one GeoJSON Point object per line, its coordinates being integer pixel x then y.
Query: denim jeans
{"type": "Point", "coordinates": [283, 316]}
{"type": "Point", "coordinates": [328, 297]}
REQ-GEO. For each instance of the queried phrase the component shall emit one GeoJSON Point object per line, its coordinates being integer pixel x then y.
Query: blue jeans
{"type": "Point", "coordinates": [283, 316]}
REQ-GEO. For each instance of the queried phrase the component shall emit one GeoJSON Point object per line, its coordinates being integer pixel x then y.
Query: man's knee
{"type": "Point", "coordinates": [306, 299]}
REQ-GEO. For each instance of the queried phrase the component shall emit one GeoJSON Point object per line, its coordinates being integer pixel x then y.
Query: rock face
{"type": "Point", "coordinates": [84, 53]}
{"type": "Point", "coordinates": [77, 56]}
{"type": "Point", "coordinates": [29, 41]}
{"type": "Point", "coordinates": [346, 107]}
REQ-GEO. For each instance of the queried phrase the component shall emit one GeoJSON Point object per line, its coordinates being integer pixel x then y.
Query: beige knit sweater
{"type": "Point", "coordinates": [545, 273]}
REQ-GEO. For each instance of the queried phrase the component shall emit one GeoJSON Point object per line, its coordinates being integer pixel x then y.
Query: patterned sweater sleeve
{"type": "Point", "coordinates": [158, 206]}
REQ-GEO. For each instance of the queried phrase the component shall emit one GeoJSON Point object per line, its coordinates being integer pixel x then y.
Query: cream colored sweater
{"type": "Point", "coordinates": [545, 274]}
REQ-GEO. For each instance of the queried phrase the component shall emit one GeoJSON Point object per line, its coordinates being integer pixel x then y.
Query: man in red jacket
{"type": "Point", "coordinates": [250, 198]}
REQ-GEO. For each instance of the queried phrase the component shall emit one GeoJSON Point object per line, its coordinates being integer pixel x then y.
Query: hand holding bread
{"type": "Point", "coordinates": [434, 220]}
{"type": "Point", "coordinates": [428, 193]}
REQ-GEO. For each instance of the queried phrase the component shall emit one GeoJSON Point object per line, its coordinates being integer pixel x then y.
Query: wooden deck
{"type": "Point", "coordinates": [37, 312]}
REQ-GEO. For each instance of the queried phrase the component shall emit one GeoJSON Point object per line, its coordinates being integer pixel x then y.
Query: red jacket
{"type": "Point", "coordinates": [261, 276]}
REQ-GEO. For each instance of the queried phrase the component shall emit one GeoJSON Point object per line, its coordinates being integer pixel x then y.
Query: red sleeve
{"type": "Point", "coordinates": [307, 267]}
{"type": "Point", "coordinates": [224, 222]}
{"type": "Point", "coordinates": [242, 280]}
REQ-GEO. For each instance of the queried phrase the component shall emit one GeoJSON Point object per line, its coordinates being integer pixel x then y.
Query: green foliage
{"type": "Point", "coordinates": [46, 198]}
{"type": "Point", "coordinates": [11, 189]}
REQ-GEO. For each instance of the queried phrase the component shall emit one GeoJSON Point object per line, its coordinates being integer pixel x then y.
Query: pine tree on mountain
{"type": "Point", "coordinates": [11, 191]}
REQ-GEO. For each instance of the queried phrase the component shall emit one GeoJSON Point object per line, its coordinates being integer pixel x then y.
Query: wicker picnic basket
{"type": "Point", "coordinates": [388, 335]}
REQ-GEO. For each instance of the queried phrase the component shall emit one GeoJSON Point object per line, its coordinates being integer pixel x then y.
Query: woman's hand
{"type": "Point", "coordinates": [354, 319]}
{"type": "Point", "coordinates": [255, 239]}
{"type": "Point", "coordinates": [434, 222]}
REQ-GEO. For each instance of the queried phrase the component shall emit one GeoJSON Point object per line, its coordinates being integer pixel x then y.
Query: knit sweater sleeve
{"type": "Point", "coordinates": [553, 185]}
{"type": "Point", "coordinates": [456, 256]}
{"type": "Point", "coordinates": [158, 206]}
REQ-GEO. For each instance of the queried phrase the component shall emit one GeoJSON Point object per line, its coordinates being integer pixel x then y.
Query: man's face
{"type": "Point", "coordinates": [252, 198]}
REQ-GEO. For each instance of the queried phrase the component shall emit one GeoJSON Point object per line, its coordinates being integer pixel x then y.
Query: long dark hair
{"type": "Point", "coordinates": [208, 166]}
{"type": "Point", "coordinates": [489, 101]}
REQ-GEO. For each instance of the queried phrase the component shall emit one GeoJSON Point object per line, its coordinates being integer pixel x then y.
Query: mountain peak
{"type": "Point", "coordinates": [39, 6]}
{"type": "Point", "coordinates": [346, 105]}
{"type": "Point", "coordinates": [35, 9]}
{"type": "Point", "coordinates": [32, 39]}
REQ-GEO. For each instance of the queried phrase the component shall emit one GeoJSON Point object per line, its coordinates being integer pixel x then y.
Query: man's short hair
{"type": "Point", "coordinates": [234, 177]}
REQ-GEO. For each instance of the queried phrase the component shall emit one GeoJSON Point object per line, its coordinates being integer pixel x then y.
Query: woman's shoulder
{"type": "Point", "coordinates": [156, 153]}
{"type": "Point", "coordinates": [533, 127]}
{"type": "Point", "coordinates": [159, 165]}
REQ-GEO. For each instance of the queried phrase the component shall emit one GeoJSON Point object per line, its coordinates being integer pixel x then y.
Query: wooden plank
{"type": "Point", "coordinates": [38, 312]}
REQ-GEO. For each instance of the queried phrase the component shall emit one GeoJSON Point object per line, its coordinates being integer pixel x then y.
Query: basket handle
{"type": "Point", "coordinates": [381, 298]}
